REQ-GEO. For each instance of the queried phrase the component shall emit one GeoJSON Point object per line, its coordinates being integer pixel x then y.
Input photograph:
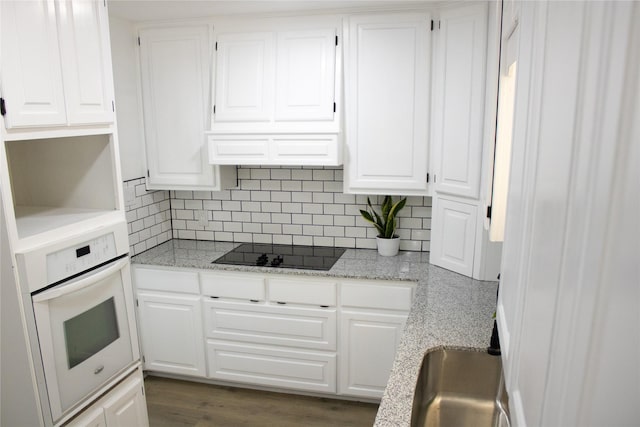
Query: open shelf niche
{"type": "Point", "coordinates": [59, 183]}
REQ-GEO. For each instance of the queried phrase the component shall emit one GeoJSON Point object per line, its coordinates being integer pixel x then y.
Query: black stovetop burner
{"type": "Point", "coordinates": [282, 256]}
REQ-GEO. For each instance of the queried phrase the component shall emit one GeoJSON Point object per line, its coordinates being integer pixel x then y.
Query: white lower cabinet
{"type": "Point", "coordinates": [368, 347]}
{"type": "Point", "coordinates": [300, 333]}
{"type": "Point", "coordinates": [372, 319]}
{"type": "Point", "coordinates": [272, 366]}
{"type": "Point", "coordinates": [312, 328]}
{"type": "Point", "coordinates": [170, 322]}
{"type": "Point", "coordinates": [124, 406]}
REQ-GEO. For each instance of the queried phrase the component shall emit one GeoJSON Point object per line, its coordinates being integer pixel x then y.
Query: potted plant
{"type": "Point", "coordinates": [385, 223]}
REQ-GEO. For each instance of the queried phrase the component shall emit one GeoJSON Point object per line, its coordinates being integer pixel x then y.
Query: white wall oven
{"type": "Point", "coordinates": [84, 318]}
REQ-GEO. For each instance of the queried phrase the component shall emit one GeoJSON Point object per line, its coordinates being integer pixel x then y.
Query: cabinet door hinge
{"type": "Point", "coordinates": [336, 40]}
{"type": "Point", "coordinates": [138, 41]}
{"type": "Point", "coordinates": [3, 107]}
{"type": "Point", "coordinates": [489, 211]}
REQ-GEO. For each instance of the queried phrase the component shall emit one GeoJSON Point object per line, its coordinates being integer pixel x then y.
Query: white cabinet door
{"type": "Point", "coordinates": [171, 331]}
{"type": "Point", "coordinates": [84, 48]}
{"type": "Point", "coordinates": [453, 235]}
{"type": "Point", "coordinates": [175, 84]}
{"type": "Point", "coordinates": [368, 347]}
{"type": "Point", "coordinates": [305, 70]}
{"type": "Point", "coordinates": [387, 110]}
{"type": "Point", "coordinates": [244, 77]}
{"type": "Point", "coordinates": [31, 71]}
{"type": "Point", "coordinates": [127, 406]}
{"type": "Point", "coordinates": [458, 102]}
{"type": "Point", "coordinates": [92, 417]}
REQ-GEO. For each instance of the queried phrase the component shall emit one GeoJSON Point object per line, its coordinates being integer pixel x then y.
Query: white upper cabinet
{"type": "Point", "coordinates": [175, 83]}
{"type": "Point", "coordinates": [387, 78]}
{"type": "Point", "coordinates": [458, 99]}
{"type": "Point", "coordinates": [276, 93]}
{"type": "Point", "coordinates": [244, 78]}
{"type": "Point", "coordinates": [38, 38]}
{"type": "Point", "coordinates": [305, 75]}
{"type": "Point", "coordinates": [84, 48]}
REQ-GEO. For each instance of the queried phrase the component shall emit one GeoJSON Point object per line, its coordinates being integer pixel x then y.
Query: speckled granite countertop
{"type": "Point", "coordinates": [449, 310]}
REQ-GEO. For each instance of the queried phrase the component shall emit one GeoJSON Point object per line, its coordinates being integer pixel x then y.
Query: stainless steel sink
{"type": "Point", "coordinates": [460, 388]}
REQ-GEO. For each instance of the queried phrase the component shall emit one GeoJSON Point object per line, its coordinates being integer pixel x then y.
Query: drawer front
{"type": "Point", "coordinates": [166, 280]}
{"type": "Point", "coordinates": [287, 326]}
{"type": "Point", "coordinates": [369, 295]}
{"type": "Point", "coordinates": [270, 366]}
{"type": "Point", "coordinates": [300, 291]}
{"type": "Point", "coordinates": [239, 286]}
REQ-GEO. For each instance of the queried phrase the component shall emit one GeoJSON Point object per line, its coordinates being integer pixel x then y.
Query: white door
{"type": "Point", "coordinates": [171, 331]}
{"type": "Point", "coordinates": [175, 84]}
{"type": "Point", "coordinates": [453, 235]}
{"type": "Point", "coordinates": [31, 72]}
{"type": "Point", "coordinates": [84, 48]}
{"type": "Point", "coordinates": [244, 77]}
{"type": "Point", "coordinates": [368, 348]}
{"type": "Point", "coordinates": [387, 83]}
{"type": "Point", "coordinates": [305, 70]}
{"type": "Point", "coordinates": [458, 99]}
{"type": "Point", "coordinates": [127, 406]}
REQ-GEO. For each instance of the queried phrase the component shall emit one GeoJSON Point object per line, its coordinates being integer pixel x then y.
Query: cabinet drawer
{"type": "Point", "coordinates": [166, 280]}
{"type": "Point", "coordinates": [396, 296]}
{"type": "Point", "coordinates": [240, 286]}
{"type": "Point", "coordinates": [270, 366]}
{"type": "Point", "coordinates": [291, 326]}
{"type": "Point", "coordinates": [302, 291]}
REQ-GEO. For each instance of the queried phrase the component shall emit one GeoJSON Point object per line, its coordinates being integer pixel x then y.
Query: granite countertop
{"type": "Point", "coordinates": [450, 310]}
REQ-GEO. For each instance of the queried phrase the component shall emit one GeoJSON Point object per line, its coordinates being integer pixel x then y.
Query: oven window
{"type": "Point", "coordinates": [91, 331]}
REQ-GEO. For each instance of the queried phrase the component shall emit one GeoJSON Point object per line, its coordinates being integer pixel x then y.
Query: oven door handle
{"type": "Point", "coordinates": [62, 290]}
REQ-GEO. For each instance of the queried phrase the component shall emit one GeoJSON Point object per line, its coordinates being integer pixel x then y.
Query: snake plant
{"type": "Point", "coordinates": [385, 222]}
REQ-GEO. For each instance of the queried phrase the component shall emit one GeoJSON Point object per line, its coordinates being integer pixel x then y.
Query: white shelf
{"type": "Point", "coordinates": [38, 225]}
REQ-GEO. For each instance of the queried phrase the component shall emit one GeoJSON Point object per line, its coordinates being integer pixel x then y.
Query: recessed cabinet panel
{"type": "Point", "coordinates": [31, 74]}
{"type": "Point", "coordinates": [453, 243]}
{"type": "Point", "coordinates": [305, 75]}
{"type": "Point", "coordinates": [459, 99]}
{"type": "Point", "coordinates": [84, 47]}
{"type": "Point", "coordinates": [244, 77]}
{"type": "Point", "coordinates": [272, 366]}
{"type": "Point", "coordinates": [364, 335]}
{"type": "Point", "coordinates": [387, 84]}
{"type": "Point", "coordinates": [171, 331]}
{"type": "Point", "coordinates": [279, 325]}
{"type": "Point", "coordinates": [175, 76]}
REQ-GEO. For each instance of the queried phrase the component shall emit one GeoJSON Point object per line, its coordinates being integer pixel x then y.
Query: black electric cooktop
{"type": "Point", "coordinates": [282, 256]}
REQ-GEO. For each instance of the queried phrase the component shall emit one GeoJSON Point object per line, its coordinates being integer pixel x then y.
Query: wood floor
{"type": "Point", "coordinates": [174, 403]}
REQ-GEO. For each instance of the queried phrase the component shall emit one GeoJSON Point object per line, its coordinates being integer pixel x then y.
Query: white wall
{"type": "Point", "coordinates": [128, 106]}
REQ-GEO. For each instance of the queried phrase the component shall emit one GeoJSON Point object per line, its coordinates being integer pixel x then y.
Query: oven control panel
{"type": "Point", "coordinates": [75, 259]}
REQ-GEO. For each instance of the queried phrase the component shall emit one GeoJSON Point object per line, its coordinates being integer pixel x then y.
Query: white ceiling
{"type": "Point", "coordinates": [154, 10]}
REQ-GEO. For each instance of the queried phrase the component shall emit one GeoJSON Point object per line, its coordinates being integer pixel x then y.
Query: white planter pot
{"type": "Point", "coordinates": [388, 247]}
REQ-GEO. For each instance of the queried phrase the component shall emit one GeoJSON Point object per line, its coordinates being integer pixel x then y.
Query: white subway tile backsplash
{"type": "Point", "coordinates": [286, 205]}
